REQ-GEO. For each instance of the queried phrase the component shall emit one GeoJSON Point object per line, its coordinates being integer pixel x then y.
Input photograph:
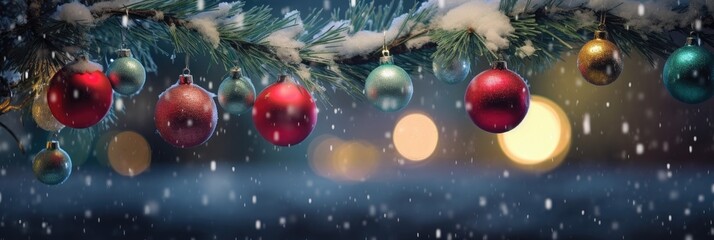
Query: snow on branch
{"type": "Point", "coordinates": [341, 49]}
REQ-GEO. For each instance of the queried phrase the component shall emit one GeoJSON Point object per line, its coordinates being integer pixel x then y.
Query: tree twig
{"type": "Point", "coordinates": [19, 144]}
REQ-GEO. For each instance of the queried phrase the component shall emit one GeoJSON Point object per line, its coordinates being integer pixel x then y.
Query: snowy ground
{"type": "Point", "coordinates": [261, 203]}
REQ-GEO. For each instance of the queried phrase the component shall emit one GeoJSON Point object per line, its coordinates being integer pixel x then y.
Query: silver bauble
{"type": "Point", "coordinates": [388, 87]}
{"type": "Point", "coordinates": [451, 72]}
{"type": "Point", "coordinates": [126, 74]}
{"type": "Point", "coordinates": [236, 94]}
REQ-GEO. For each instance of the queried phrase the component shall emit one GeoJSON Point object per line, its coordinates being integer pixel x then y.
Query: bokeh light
{"type": "Point", "coordinates": [542, 140]}
{"type": "Point", "coordinates": [339, 160]}
{"type": "Point", "coordinates": [415, 136]}
{"type": "Point", "coordinates": [101, 146]}
{"type": "Point", "coordinates": [76, 142]}
{"type": "Point", "coordinates": [129, 153]}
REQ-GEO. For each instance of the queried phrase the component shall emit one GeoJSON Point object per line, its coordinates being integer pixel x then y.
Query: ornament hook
{"type": "Point", "coordinates": [385, 50]}
{"type": "Point", "coordinates": [187, 61]}
{"type": "Point", "coordinates": [601, 26]}
{"type": "Point", "coordinates": [125, 25]}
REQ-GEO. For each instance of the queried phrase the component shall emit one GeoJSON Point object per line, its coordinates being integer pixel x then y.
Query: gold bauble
{"type": "Point", "coordinates": [600, 61]}
{"type": "Point", "coordinates": [42, 115]}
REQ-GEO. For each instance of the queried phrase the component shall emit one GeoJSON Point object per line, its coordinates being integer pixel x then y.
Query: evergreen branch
{"type": "Point", "coordinates": [542, 32]}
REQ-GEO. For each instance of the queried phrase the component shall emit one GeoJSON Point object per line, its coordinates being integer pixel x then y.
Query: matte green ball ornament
{"type": "Point", "coordinates": [236, 94]}
{"type": "Point", "coordinates": [388, 87]}
{"type": "Point", "coordinates": [52, 165]}
{"type": "Point", "coordinates": [126, 74]}
{"type": "Point", "coordinates": [688, 74]}
{"type": "Point", "coordinates": [451, 72]}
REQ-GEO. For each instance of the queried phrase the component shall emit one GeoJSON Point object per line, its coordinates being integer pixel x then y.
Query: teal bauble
{"type": "Point", "coordinates": [126, 74]}
{"type": "Point", "coordinates": [453, 71]}
{"type": "Point", "coordinates": [688, 74]}
{"type": "Point", "coordinates": [388, 87]}
{"type": "Point", "coordinates": [52, 165]}
{"type": "Point", "coordinates": [236, 94]}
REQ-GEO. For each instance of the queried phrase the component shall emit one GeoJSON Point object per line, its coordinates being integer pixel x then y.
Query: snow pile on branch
{"type": "Point", "coordinates": [101, 7]}
{"type": "Point", "coordinates": [74, 13]}
{"type": "Point", "coordinates": [364, 42]}
{"type": "Point", "coordinates": [483, 18]}
{"type": "Point", "coordinates": [526, 50]}
{"type": "Point", "coordinates": [418, 41]}
{"type": "Point", "coordinates": [285, 41]}
{"type": "Point", "coordinates": [327, 51]}
{"type": "Point", "coordinates": [206, 23]}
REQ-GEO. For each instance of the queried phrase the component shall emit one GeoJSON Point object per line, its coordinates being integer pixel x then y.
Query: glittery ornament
{"type": "Point", "coordinates": [451, 72]}
{"type": "Point", "coordinates": [600, 61]}
{"type": "Point", "coordinates": [79, 94]}
{"type": "Point", "coordinates": [497, 99]}
{"type": "Point", "coordinates": [126, 74]}
{"type": "Point", "coordinates": [186, 114]}
{"type": "Point", "coordinates": [388, 87]}
{"type": "Point", "coordinates": [41, 113]}
{"type": "Point", "coordinates": [285, 112]}
{"type": "Point", "coordinates": [688, 73]}
{"type": "Point", "coordinates": [236, 93]}
{"type": "Point", "coordinates": [52, 165]}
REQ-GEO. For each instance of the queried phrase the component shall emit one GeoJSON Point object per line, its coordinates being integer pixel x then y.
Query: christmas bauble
{"type": "Point", "coordinates": [497, 99]}
{"type": "Point", "coordinates": [451, 72]}
{"type": "Point", "coordinates": [688, 73]}
{"type": "Point", "coordinates": [41, 113]}
{"type": "Point", "coordinates": [236, 93]}
{"type": "Point", "coordinates": [126, 74]}
{"type": "Point", "coordinates": [79, 94]}
{"type": "Point", "coordinates": [600, 61]}
{"type": "Point", "coordinates": [388, 87]}
{"type": "Point", "coordinates": [185, 114]}
{"type": "Point", "coordinates": [52, 165]}
{"type": "Point", "coordinates": [284, 112]}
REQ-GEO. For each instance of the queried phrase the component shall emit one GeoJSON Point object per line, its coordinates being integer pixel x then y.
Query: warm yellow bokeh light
{"type": "Point", "coordinates": [129, 153]}
{"type": "Point", "coordinates": [415, 136]}
{"type": "Point", "coordinates": [339, 160]}
{"type": "Point", "coordinates": [542, 139]}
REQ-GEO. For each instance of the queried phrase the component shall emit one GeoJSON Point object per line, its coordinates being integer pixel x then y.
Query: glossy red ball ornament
{"type": "Point", "coordinates": [284, 112]}
{"type": "Point", "coordinates": [497, 99]}
{"type": "Point", "coordinates": [79, 94]}
{"type": "Point", "coordinates": [186, 114]}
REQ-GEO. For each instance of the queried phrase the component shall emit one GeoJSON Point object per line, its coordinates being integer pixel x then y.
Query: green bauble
{"type": "Point", "coordinates": [388, 87]}
{"type": "Point", "coordinates": [688, 73]}
{"type": "Point", "coordinates": [236, 93]}
{"type": "Point", "coordinates": [52, 165]}
{"type": "Point", "coordinates": [126, 74]}
{"type": "Point", "coordinates": [451, 72]}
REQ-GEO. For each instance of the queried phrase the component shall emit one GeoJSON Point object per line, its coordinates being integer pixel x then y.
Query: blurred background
{"type": "Point", "coordinates": [620, 161]}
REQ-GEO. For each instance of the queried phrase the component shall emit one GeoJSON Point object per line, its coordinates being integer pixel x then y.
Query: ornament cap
{"type": "Point", "coordinates": [236, 73]}
{"type": "Point", "coordinates": [691, 41]}
{"type": "Point", "coordinates": [284, 78]}
{"type": "Point", "coordinates": [52, 145]}
{"type": "Point", "coordinates": [386, 60]}
{"type": "Point", "coordinates": [500, 65]}
{"type": "Point", "coordinates": [185, 79]}
{"type": "Point", "coordinates": [600, 34]}
{"type": "Point", "coordinates": [124, 52]}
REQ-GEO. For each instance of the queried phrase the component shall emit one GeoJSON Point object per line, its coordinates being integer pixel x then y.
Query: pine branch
{"type": "Point", "coordinates": [542, 32]}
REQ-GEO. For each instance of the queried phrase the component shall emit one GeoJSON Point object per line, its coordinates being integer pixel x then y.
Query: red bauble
{"type": "Point", "coordinates": [79, 94]}
{"type": "Point", "coordinates": [186, 114]}
{"type": "Point", "coordinates": [497, 99]}
{"type": "Point", "coordinates": [284, 113]}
